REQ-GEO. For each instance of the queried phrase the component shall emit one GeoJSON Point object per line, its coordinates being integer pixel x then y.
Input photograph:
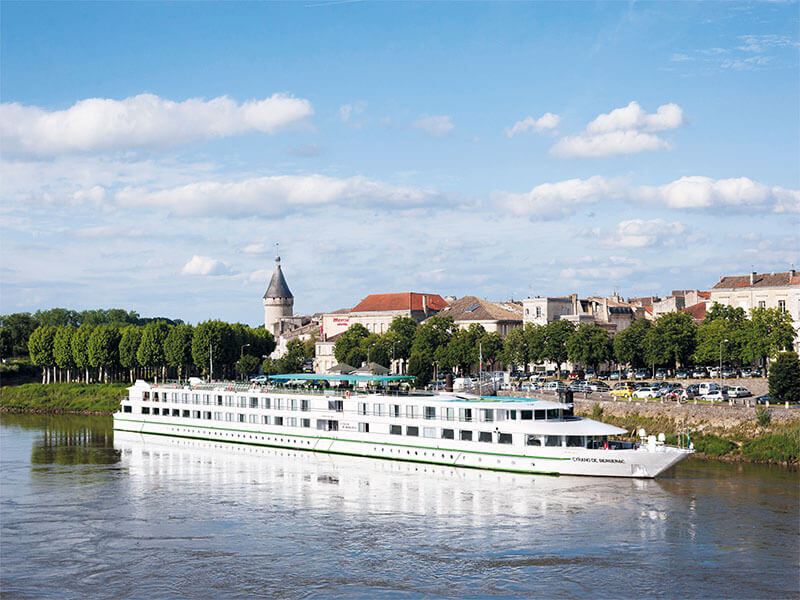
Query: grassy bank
{"type": "Point", "coordinates": [756, 441]}
{"type": "Point", "coordinates": [62, 397]}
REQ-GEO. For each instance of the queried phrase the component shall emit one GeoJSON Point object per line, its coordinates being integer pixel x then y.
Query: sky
{"type": "Point", "coordinates": [153, 155]}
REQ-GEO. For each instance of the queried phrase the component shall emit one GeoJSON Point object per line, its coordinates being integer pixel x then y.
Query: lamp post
{"type": "Point", "coordinates": [393, 345]}
{"type": "Point", "coordinates": [211, 362]}
{"type": "Point", "coordinates": [241, 350]}
{"type": "Point", "coordinates": [719, 375]}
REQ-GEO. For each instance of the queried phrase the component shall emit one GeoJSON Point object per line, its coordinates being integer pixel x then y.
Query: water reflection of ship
{"type": "Point", "coordinates": [262, 474]}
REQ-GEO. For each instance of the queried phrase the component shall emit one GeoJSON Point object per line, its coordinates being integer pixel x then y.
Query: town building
{"type": "Point", "coordinates": [278, 301]}
{"type": "Point", "coordinates": [766, 290]}
{"type": "Point", "coordinates": [611, 312]}
{"type": "Point", "coordinates": [499, 317]}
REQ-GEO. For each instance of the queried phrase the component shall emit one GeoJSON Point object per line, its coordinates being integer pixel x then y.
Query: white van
{"type": "Point", "coordinates": [707, 387]}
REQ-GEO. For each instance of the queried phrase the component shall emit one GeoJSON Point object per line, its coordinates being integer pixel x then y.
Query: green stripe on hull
{"type": "Point", "coordinates": [338, 452]}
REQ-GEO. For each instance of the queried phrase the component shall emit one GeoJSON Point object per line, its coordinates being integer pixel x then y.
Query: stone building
{"type": "Point", "coordinates": [500, 317]}
{"type": "Point", "coordinates": [278, 301]}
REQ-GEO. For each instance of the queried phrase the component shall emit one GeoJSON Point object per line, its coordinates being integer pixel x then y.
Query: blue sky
{"type": "Point", "coordinates": [153, 154]}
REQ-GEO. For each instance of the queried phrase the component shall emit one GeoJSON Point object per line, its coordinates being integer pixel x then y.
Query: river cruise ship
{"type": "Point", "coordinates": [373, 416]}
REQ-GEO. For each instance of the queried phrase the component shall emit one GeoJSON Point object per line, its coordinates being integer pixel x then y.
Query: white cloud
{"type": "Point", "coordinates": [350, 110]}
{"type": "Point", "coordinates": [257, 248]}
{"type": "Point", "coordinates": [204, 265]}
{"type": "Point", "coordinates": [98, 124]}
{"type": "Point", "coordinates": [546, 122]}
{"type": "Point", "coordinates": [435, 125]}
{"type": "Point", "coordinates": [609, 270]}
{"type": "Point", "coordinates": [550, 201]}
{"type": "Point", "coordinates": [640, 233]}
{"type": "Point", "coordinates": [275, 195]}
{"type": "Point", "coordinates": [627, 130]}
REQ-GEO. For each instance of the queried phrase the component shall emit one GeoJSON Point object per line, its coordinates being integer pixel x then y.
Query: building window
{"type": "Point", "coordinates": [413, 431]}
{"type": "Point", "coordinates": [485, 436]}
{"type": "Point", "coordinates": [538, 312]}
{"type": "Point", "coordinates": [762, 304]}
{"type": "Point", "coordinates": [363, 427]}
{"type": "Point", "coordinates": [429, 432]}
{"type": "Point", "coordinates": [782, 305]}
{"type": "Point", "coordinates": [504, 438]}
{"type": "Point", "coordinates": [465, 436]}
{"type": "Point", "coordinates": [127, 408]}
{"type": "Point", "coordinates": [396, 430]}
{"type": "Point", "coordinates": [448, 434]}
{"type": "Point", "coordinates": [430, 412]}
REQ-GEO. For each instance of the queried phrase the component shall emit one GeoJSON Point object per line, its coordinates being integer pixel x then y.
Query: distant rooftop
{"type": "Point", "coordinates": [758, 280]}
{"type": "Point", "coordinates": [401, 301]}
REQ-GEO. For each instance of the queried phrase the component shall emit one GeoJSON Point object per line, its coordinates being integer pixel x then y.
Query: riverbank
{"type": "Point", "coordinates": [77, 398]}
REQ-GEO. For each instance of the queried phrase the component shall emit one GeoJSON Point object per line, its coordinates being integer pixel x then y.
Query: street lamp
{"type": "Point", "coordinates": [719, 375]}
{"type": "Point", "coordinates": [241, 350]}
{"type": "Point", "coordinates": [393, 345]}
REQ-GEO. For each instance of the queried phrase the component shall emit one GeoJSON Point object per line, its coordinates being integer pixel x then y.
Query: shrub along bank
{"type": "Point", "coordinates": [759, 441]}
{"type": "Point", "coordinates": [62, 397]}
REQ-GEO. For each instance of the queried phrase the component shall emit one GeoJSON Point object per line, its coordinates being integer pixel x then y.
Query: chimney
{"type": "Point", "coordinates": [425, 304]}
{"type": "Point", "coordinates": [792, 273]}
{"type": "Point", "coordinates": [574, 298]}
{"type": "Point", "coordinates": [752, 277]}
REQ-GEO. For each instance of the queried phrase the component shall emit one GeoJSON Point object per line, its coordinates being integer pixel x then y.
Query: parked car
{"type": "Point", "coordinates": [699, 373]}
{"type": "Point", "coordinates": [661, 374]}
{"type": "Point", "coordinates": [598, 386]}
{"type": "Point", "coordinates": [603, 375]}
{"type": "Point", "coordinates": [739, 392]}
{"type": "Point", "coordinates": [630, 373]}
{"type": "Point", "coordinates": [259, 379]}
{"type": "Point", "coordinates": [590, 374]}
{"type": "Point", "coordinates": [673, 393]}
{"type": "Point", "coordinates": [717, 395]}
{"type": "Point", "coordinates": [615, 376]}
{"type": "Point", "coordinates": [640, 384]}
{"type": "Point", "coordinates": [577, 374]}
{"type": "Point", "coordinates": [641, 374]}
{"type": "Point", "coordinates": [763, 399]}
{"type": "Point", "coordinates": [555, 386]}
{"type": "Point", "coordinates": [682, 374]}
{"type": "Point", "coordinates": [691, 391]}
{"type": "Point", "coordinates": [756, 373]}
{"type": "Point", "coordinates": [623, 389]}
{"type": "Point", "coordinates": [729, 373]}
{"type": "Point", "coordinates": [647, 392]}
{"type": "Point", "coordinates": [713, 372]}
{"type": "Point", "coordinates": [580, 386]}
{"type": "Point", "coordinates": [707, 387]}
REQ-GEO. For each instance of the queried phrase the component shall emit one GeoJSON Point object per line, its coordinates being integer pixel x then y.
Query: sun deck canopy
{"type": "Point", "coordinates": [339, 377]}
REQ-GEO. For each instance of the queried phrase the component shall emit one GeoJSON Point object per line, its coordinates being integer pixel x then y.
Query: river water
{"type": "Point", "coordinates": [87, 513]}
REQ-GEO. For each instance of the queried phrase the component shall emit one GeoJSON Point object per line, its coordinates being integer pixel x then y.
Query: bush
{"type": "Point", "coordinates": [712, 445]}
{"type": "Point", "coordinates": [763, 416]}
{"type": "Point", "coordinates": [597, 412]}
{"type": "Point", "coordinates": [59, 397]}
{"type": "Point", "coordinates": [784, 378]}
{"type": "Point", "coordinates": [777, 447]}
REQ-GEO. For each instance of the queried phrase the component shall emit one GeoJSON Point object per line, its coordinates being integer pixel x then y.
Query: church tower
{"type": "Point", "coordinates": [278, 300]}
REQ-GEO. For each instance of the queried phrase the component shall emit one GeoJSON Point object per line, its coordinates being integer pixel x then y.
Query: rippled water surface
{"type": "Point", "coordinates": [87, 513]}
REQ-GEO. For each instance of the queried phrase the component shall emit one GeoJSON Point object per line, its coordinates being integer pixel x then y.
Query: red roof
{"type": "Point", "coordinates": [759, 280]}
{"type": "Point", "coordinates": [696, 311]}
{"type": "Point", "coordinates": [706, 295]}
{"type": "Point", "coordinates": [401, 301]}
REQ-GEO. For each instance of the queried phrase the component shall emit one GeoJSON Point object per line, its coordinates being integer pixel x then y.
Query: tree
{"type": "Point", "coordinates": [589, 345]}
{"type": "Point", "coordinates": [377, 348]}
{"type": "Point", "coordinates": [671, 340]}
{"type": "Point", "coordinates": [492, 344]}
{"type": "Point", "coordinates": [515, 349]}
{"type": "Point", "coordinates": [771, 330]}
{"type": "Point", "coordinates": [6, 343]}
{"type": "Point", "coordinates": [535, 338]}
{"type": "Point", "coordinates": [433, 334]}
{"type": "Point", "coordinates": [460, 352]}
{"type": "Point", "coordinates": [555, 343]}
{"type": "Point", "coordinates": [58, 317]}
{"type": "Point", "coordinates": [18, 328]}
{"type": "Point", "coordinates": [629, 344]}
{"type": "Point", "coordinates": [103, 349]}
{"type": "Point", "coordinates": [262, 342]}
{"type": "Point", "coordinates": [294, 358]}
{"type": "Point", "coordinates": [178, 348]}
{"type": "Point", "coordinates": [784, 378]}
{"type": "Point", "coordinates": [40, 348]}
{"type": "Point", "coordinates": [128, 349]}
{"type": "Point", "coordinates": [80, 348]}
{"type": "Point", "coordinates": [151, 347]}
{"type": "Point", "coordinates": [401, 334]}
{"type": "Point", "coordinates": [219, 336]}
{"type": "Point", "coordinates": [349, 341]}
{"type": "Point", "coordinates": [420, 366]}
{"type": "Point", "coordinates": [62, 348]}
{"type": "Point", "coordinates": [247, 365]}
{"type": "Point", "coordinates": [720, 338]}
{"type": "Point", "coordinates": [723, 311]}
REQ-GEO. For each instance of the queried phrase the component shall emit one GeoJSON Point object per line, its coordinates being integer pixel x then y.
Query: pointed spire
{"type": "Point", "coordinates": [277, 284]}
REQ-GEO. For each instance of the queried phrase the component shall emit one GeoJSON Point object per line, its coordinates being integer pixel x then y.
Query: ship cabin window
{"type": "Point", "coordinates": [394, 410]}
{"type": "Point", "coordinates": [242, 418]}
{"type": "Point", "coordinates": [229, 416]}
{"type": "Point", "coordinates": [362, 408]}
{"type": "Point", "coordinates": [291, 422]}
{"type": "Point", "coordinates": [327, 425]}
{"type": "Point", "coordinates": [292, 403]}
{"type": "Point", "coordinates": [254, 418]}
{"type": "Point", "coordinates": [305, 422]}
{"type": "Point", "coordinates": [155, 410]}
{"type": "Point", "coordinates": [450, 414]}
{"type": "Point", "coordinates": [569, 411]}
{"type": "Point", "coordinates": [430, 412]}
{"type": "Point", "coordinates": [363, 427]}
{"type": "Point", "coordinates": [206, 399]}
{"type": "Point", "coordinates": [253, 402]}
{"type": "Point", "coordinates": [465, 435]}
{"type": "Point", "coordinates": [265, 419]}
{"type": "Point", "coordinates": [278, 403]}
{"type": "Point", "coordinates": [337, 405]}
{"type": "Point", "coordinates": [145, 395]}
{"type": "Point", "coordinates": [412, 430]}
{"type": "Point", "coordinates": [500, 415]}
{"type": "Point", "coordinates": [185, 414]}
{"type": "Point", "coordinates": [155, 396]}
{"type": "Point", "coordinates": [304, 405]}
{"type": "Point", "coordinates": [429, 432]}
{"type": "Point", "coordinates": [533, 440]}
{"type": "Point", "coordinates": [228, 400]}
{"type": "Point", "coordinates": [539, 415]}
{"type": "Point", "coordinates": [396, 430]}
{"type": "Point", "coordinates": [526, 415]}
{"type": "Point", "coordinates": [505, 438]}
{"type": "Point", "coordinates": [465, 414]}
{"type": "Point", "coordinates": [185, 398]}
{"type": "Point", "coordinates": [574, 441]}
{"type": "Point", "coordinates": [207, 415]}
{"type": "Point", "coordinates": [448, 434]}
{"type": "Point", "coordinates": [195, 414]}
{"type": "Point", "coordinates": [145, 410]}
{"type": "Point", "coordinates": [176, 412]}
{"type": "Point", "coordinates": [265, 403]}
{"type": "Point", "coordinates": [242, 401]}
{"type": "Point", "coordinates": [512, 414]}
{"type": "Point", "coordinates": [378, 409]}
{"type": "Point", "coordinates": [218, 400]}
{"type": "Point", "coordinates": [553, 414]}
{"type": "Point", "coordinates": [485, 436]}
{"type": "Point", "coordinates": [552, 440]}
{"type": "Point", "coordinates": [127, 408]}
{"type": "Point", "coordinates": [218, 416]}
{"type": "Point", "coordinates": [195, 399]}
{"type": "Point", "coordinates": [412, 412]}
{"type": "Point", "coordinates": [278, 421]}
{"type": "Point", "coordinates": [487, 415]}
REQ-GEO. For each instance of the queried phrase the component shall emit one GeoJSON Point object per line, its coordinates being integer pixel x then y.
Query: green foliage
{"type": "Point", "coordinates": [151, 346]}
{"type": "Point", "coordinates": [129, 346]}
{"type": "Point", "coordinates": [725, 313]}
{"type": "Point", "coordinates": [6, 343]}
{"type": "Point", "coordinates": [770, 331]}
{"type": "Point", "coordinates": [421, 367]}
{"type": "Point", "coordinates": [80, 346]}
{"type": "Point", "coordinates": [62, 347]}
{"type": "Point", "coordinates": [784, 378]}
{"type": "Point", "coordinates": [401, 334]}
{"type": "Point", "coordinates": [515, 348]}
{"type": "Point", "coordinates": [262, 342]}
{"type": "Point", "coordinates": [597, 412]}
{"type": "Point", "coordinates": [712, 445]}
{"type": "Point", "coordinates": [57, 397]}
{"type": "Point", "coordinates": [629, 344]}
{"type": "Point", "coordinates": [535, 338]}
{"type": "Point", "coordinates": [57, 317]}
{"type": "Point", "coordinates": [349, 341]}
{"type": "Point", "coordinates": [178, 346]}
{"type": "Point", "coordinates": [103, 347]}
{"type": "Point", "coordinates": [782, 447]}
{"type": "Point", "coordinates": [376, 348]}
{"type": "Point", "coordinates": [433, 334]}
{"type": "Point", "coordinates": [220, 336]}
{"type": "Point", "coordinates": [556, 335]}
{"type": "Point", "coordinates": [247, 365]}
{"type": "Point", "coordinates": [40, 346]}
{"type": "Point", "coordinates": [296, 354]}
{"type": "Point", "coordinates": [18, 327]}
{"type": "Point", "coordinates": [671, 339]}
{"type": "Point", "coordinates": [589, 345]}
{"type": "Point", "coordinates": [723, 335]}
{"type": "Point", "coordinates": [763, 416]}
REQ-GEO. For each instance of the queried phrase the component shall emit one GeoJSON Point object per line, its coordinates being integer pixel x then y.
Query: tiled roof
{"type": "Point", "coordinates": [696, 311]}
{"type": "Point", "coordinates": [760, 280]}
{"type": "Point", "coordinates": [402, 301]}
{"type": "Point", "coordinates": [706, 295]}
{"type": "Point", "coordinates": [471, 308]}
